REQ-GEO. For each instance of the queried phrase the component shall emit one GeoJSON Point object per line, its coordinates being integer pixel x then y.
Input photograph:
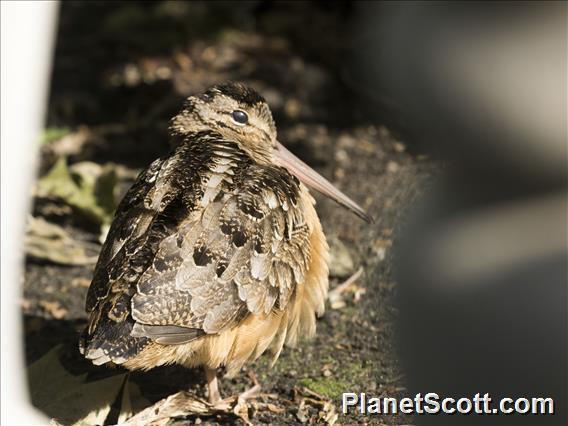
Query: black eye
{"type": "Point", "coordinates": [240, 117]}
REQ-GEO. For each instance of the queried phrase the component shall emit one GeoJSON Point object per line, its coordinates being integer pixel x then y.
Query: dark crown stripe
{"type": "Point", "coordinates": [239, 92]}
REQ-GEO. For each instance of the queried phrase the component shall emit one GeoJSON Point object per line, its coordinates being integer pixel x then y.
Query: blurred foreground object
{"type": "Point", "coordinates": [482, 268]}
{"type": "Point", "coordinates": [27, 35]}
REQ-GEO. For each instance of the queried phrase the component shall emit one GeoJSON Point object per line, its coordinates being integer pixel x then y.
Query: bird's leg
{"type": "Point", "coordinates": [214, 395]}
{"type": "Point", "coordinates": [212, 385]}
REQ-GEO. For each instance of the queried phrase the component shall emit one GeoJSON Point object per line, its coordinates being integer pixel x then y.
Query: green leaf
{"type": "Point", "coordinates": [86, 186]}
{"type": "Point", "coordinates": [51, 134]}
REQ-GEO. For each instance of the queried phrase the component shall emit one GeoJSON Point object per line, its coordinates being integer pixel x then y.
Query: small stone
{"type": "Point", "coordinates": [392, 167]}
{"type": "Point", "coordinates": [399, 147]}
{"type": "Point", "coordinates": [327, 373]}
{"type": "Point", "coordinates": [341, 156]}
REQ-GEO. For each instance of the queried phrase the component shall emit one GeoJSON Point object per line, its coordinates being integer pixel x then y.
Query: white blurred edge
{"type": "Point", "coordinates": [28, 30]}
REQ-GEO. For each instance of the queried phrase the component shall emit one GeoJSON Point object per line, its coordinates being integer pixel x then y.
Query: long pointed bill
{"type": "Point", "coordinates": [314, 180]}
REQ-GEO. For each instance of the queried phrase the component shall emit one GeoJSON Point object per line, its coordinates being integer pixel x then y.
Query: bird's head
{"type": "Point", "coordinates": [240, 114]}
{"type": "Point", "coordinates": [235, 111]}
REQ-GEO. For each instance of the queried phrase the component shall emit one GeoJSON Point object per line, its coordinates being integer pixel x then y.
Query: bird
{"type": "Point", "coordinates": [216, 253]}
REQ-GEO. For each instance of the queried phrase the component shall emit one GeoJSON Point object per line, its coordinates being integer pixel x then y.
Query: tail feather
{"type": "Point", "coordinates": [110, 341]}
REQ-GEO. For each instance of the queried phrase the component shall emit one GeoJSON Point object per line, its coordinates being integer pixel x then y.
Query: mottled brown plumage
{"type": "Point", "coordinates": [215, 254]}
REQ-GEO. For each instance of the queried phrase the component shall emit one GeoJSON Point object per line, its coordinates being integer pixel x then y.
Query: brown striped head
{"type": "Point", "coordinates": [240, 114]}
{"type": "Point", "coordinates": [235, 111]}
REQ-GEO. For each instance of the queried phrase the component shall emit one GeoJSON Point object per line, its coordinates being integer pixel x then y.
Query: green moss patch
{"type": "Point", "coordinates": [332, 388]}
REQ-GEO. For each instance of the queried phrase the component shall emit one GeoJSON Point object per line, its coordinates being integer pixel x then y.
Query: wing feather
{"type": "Point", "coordinates": [204, 238]}
{"type": "Point", "coordinates": [245, 253]}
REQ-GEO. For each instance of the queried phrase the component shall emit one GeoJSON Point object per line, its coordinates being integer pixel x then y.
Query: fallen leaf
{"type": "Point", "coordinates": [52, 134]}
{"type": "Point", "coordinates": [48, 241]}
{"type": "Point", "coordinates": [86, 186]}
{"type": "Point", "coordinates": [341, 263]}
{"type": "Point", "coordinates": [69, 399]}
{"type": "Point", "coordinates": [307, 397]}
{"type": "Point", "coordinates": [182, 404]}
{"type": "Point", "coordinates": [275, 409]}
{"type": "Point", "coordinates": [336, 295]}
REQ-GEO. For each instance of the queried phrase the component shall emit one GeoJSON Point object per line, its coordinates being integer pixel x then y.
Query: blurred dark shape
{"type": "Point", "coordinates": [480, 84]}
{"type": "Point", "coordinates": [483, 265]}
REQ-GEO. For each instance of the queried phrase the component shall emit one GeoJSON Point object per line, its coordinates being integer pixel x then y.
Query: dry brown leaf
{"type": "Point", "coordinates": [336, 295]}
{"type": "Point", "coordinates": [49, 241]}
{"type": "Point", "coordinates": [274, 408]}
{"type": "Point", "coordinates": [307, 397]}
{"type": "Point", "coordinates": [183, 404]}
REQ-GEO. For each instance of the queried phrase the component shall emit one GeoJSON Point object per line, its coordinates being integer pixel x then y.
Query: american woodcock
{"type": "Point", "coordinates": [216, 253]}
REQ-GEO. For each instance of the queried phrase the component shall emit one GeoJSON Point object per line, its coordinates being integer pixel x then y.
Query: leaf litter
{"type": "Point", "coordinates": [336, 296]}
{"type": "Point", "coordinates": [86, 186]}
{"type": "Point", "coordinates": [74, 399]}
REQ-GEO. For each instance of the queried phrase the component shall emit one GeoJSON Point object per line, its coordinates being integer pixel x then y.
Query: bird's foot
{"type": "Point", "coordinates": [252, 392]}
{"type": "Point", "coordinates": [214, 396]}
{"type": "Point", "coordinates": [224, 404]}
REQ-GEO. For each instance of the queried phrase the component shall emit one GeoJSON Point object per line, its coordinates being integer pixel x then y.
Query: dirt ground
{"type": "Point", "coordinates": [120, 72]}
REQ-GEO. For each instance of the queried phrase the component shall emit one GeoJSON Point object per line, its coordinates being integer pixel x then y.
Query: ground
{"type": "Point", "coordinates": [119, 74]}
